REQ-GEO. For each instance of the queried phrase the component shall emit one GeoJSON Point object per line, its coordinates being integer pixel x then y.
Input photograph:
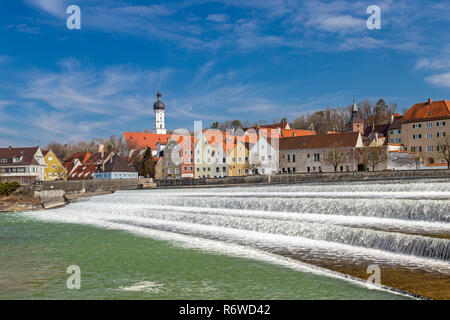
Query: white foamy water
{"type": "Point", "coordinates": [392, 227]}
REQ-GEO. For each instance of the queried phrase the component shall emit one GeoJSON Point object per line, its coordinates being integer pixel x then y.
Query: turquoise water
{"type": "Point", "coordinates": [116, 264]}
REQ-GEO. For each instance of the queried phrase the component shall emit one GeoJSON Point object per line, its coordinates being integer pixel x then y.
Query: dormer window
{"type": "Point", "coordinates": [4, 160]}
{"type": "Point", "coordinates": [16, 159]}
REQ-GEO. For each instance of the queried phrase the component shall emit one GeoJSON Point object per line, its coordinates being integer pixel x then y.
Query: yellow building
{"type": "Point", "coordinates": [238, 162]}
{"type": "Point", "coordinates": [54, 170]}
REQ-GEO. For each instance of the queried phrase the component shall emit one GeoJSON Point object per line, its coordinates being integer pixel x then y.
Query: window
{"type": "Point", "coordinates": [399, 131]}
{"type": "Point", "coordinates": [54, 166]}
{"type": "Point", "coordinates": [417, 136]}
{"type": "Point", "coordinates": [316, 157]}
{"type": "Point", "coordinates": [289, 159]}
{"type": "Point", "coordinates": [398, 140]}
{"type": "Point", "coordinates": [417, 125]}
{"type": "Point", "coordinates": [224, 169]}
{"type": "Point", "coordinates": [293, 169]}
{"type": "Point", "coordinates": [440, 123]}
{"type": "Point", "coordinates": [429, 148]}
{"type": "Point", "coordinates": [429, 125]}
{"type": "Point", "coordinates": [4, 161]}
{"type": "Point", "coordinates": [392, 132]}
{"type": "Point", "coordinates": [217, 169]}
{"type": "Point", "coordinates": [293, 158]}
{"type": "Point", "coordinates": [440, 134]}
{"type": "Point", "coordinates": [429, 135]}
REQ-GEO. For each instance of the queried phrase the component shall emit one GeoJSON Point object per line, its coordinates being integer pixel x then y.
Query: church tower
{"type": "Point", "coordinates": [159, 108]}
{"type": "Point", "coordinates": [355, 123]}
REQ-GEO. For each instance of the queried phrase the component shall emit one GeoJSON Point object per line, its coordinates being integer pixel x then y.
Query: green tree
{"type": "Point", "coordinates": [148, 165]}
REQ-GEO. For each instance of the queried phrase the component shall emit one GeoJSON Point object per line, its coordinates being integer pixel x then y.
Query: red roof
{"type": "Point", "coordinates": [83, 172]}
{"type": "Point", "coordinates": [140, 140]}
{"type": "Point", "coordinates": [82, 156]}
{"type": "Point", "coordinates": [348, 139]}
{"type": "Point", "coordinates": [26, 156]}
{"type": "Point", "coordinates": [296, 132]}
{"type": "Point", "coordinates": [431, 110]}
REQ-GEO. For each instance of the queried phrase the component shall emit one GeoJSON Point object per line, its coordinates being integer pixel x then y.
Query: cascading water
{"type": "Point", "coordinates": [405, 223]}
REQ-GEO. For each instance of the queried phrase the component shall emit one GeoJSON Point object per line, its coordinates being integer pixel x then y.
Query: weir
{"type": "Point", "coordinates": [390, 222]}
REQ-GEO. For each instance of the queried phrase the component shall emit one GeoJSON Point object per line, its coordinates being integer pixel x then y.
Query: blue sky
{"type": "Point", "coordinates": [213, 61]}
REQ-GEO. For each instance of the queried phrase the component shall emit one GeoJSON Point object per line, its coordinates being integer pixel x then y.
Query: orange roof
{"type": "Point", "coordinates": [82, 156]}
{"type": "Point", "coordinates": [297, 133]}
{"type": "Point", "coordinates": [431, 110]}
{"type": "Point", "coordinates": [140, 140]}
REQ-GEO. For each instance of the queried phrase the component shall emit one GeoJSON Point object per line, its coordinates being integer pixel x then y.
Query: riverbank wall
{"type": "Point", "coordinates": [308, 178]}
{"type": "Point", "coordinates": [52, 194]}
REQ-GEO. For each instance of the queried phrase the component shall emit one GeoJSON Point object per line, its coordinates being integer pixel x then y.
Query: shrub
{"type": "Point", "coordinates": [8, 188]}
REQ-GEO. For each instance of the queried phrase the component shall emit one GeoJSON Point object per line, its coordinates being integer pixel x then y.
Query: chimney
{"type": "Point", "coordinates": [10, 147]}
{"type": "Point", "coordinates": [101, 149]}
{"type": "Point", "coordinates": [430, 101]}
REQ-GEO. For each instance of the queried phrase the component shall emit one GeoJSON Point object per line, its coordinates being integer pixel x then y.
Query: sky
{"type": "Point", "coordinates": [212, 60]}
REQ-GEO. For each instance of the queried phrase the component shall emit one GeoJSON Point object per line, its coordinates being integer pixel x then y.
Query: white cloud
{"type": "Point", "coordinates": [440, 80]}
{"type": "Point", "coordinates": [218, 17]}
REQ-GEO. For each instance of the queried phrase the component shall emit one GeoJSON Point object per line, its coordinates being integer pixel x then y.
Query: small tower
{"type": "Point", "coordinates": [355, 123]}
{"type": "Point", "coordinates": [159, 108]}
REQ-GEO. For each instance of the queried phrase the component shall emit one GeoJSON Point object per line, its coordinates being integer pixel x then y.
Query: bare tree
{"type": "Point", "coordinates": [335, 157]}
{"type": "Point", "coordinates": [444, 148]}
{"type": "Point", "coordinates": [254, 163]}
{"type": "Point", "coordinates": [372, 156]}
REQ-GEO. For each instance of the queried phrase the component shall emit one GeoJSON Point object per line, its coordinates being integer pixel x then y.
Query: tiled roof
{"type": "Point", "coordinates": [83, 172]}
{"type": "Point", "coordinates": [82, 156]}
{"type": "Point", "coordinates": [431, 110]}
{"type": "Point", "coordinates": [139, 140]}
{"type": "Point", "coordinates": [348, 139]}
{"type": "Point", "coordinates": [25, 154]}
{"type": "Point", "coordinates": [296, 132]}
{"type": "Point", "coordinates": [380, 128]}
{"type": "Point", "coordinates": [117, 164]}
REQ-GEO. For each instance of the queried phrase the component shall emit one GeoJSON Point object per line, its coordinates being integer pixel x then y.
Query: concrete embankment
{"type": "Point", "coordinates": [307, 178]}
{"type": "Point", "coordinates": [54, 194]}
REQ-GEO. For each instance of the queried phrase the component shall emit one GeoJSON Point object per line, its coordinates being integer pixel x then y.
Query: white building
{"type": "Point", "coordinates": [24, 165]}
{"type": "Point", "coordinates": [159, 108]}
{"type": "Point", "coordinates": [263, 155]}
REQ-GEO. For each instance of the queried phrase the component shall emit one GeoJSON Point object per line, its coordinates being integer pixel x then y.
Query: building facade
{"type": "Point", "coordinates": [422, 128]}
{"type": "Point", "coordinates": [23, 165]}
{"type": "Point", "coordinates": [54, 170]}
{"type": "Point", "coordinates": [316, 153]}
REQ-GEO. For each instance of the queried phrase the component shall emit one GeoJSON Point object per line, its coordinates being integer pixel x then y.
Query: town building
{"type": "Point", "coordinates": [115, 168]}
{"type": "Point", "coordinates": [320, 153]}
{"type": "Point", "coordinates": [423, 126]}
{"type": "Point", "coordinates": [54, 170]}
{"type": "Point", "coordinates": [23, 165]}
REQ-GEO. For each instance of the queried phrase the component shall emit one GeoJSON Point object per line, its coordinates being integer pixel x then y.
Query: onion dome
{"type": "Point", "coordinates": [159, 105]}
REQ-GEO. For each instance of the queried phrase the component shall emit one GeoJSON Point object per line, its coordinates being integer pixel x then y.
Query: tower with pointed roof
{"type": "Point", "coordinates": [159, 108]}
{"type": "Point", "coordinates": [355, 123]}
